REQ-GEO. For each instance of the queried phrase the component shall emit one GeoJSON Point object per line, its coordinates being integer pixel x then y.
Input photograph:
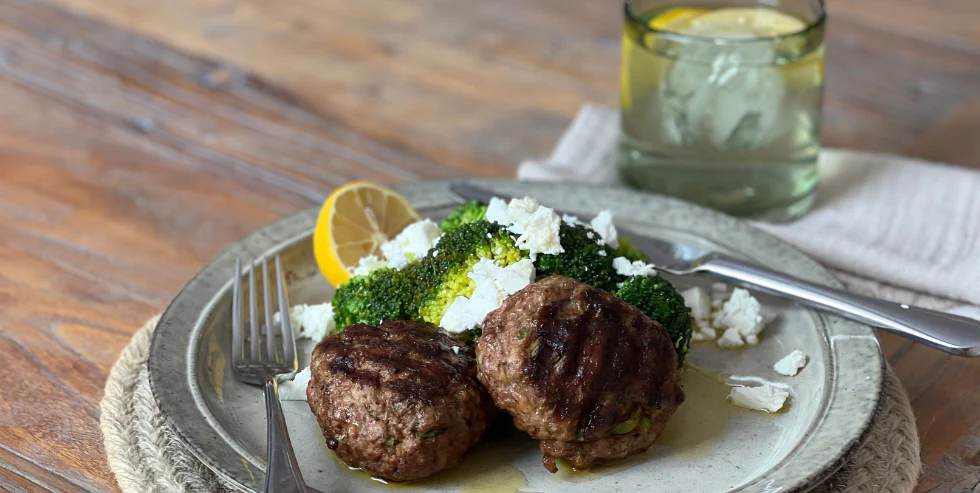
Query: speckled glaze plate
{"type": "Point", "coordinates": [709, 445]}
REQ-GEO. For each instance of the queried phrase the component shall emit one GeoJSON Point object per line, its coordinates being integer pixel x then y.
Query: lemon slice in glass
{"type": "Point", "coordinates": [676, 19]}
{"type": "Point", "coordinates": [638, 64]}
{"type": "Point", "coordinates": [740, 22]}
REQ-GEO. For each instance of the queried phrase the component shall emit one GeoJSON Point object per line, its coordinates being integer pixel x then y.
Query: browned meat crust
{"type": "Point", "coordinates": [397, 400]}
{"type": "Point", "coordinates": [588, 375]}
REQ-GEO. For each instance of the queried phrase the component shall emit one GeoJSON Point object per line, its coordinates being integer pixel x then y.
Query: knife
{"type": "Point", "coordinates": [951, 333]}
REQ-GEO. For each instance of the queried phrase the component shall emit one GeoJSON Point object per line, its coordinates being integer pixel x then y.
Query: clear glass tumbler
{"type": "Point", "coordinates": [721, 102]}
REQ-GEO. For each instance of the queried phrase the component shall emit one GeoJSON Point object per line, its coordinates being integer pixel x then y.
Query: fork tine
{"type": "Point", "coordinates": [236, 316]}
{"type": "Point", "coordinates": [253, 318]}
{"type": "Point", "coordinates": [271, 355]}
{"type": "Point", "coordinates": [288, 347]}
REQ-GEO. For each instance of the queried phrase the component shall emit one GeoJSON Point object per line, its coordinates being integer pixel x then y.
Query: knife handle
{"type": "Point", "coordinates": [951, 333]}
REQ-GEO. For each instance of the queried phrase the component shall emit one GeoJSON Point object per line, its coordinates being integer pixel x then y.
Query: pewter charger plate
{"type": "Point", "coordinates": [709, 445]}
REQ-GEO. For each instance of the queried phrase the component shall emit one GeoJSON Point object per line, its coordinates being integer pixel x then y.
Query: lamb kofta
{"type": "Point", "coordinates": [588, 375]}
{"type": "Point", "coordinates": [399, 400]}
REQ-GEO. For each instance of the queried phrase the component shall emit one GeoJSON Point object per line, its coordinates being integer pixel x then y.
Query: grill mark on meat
{"type": "Point", "coordinates": [582, 362]}
{"type": "Point", "coordinates": [416, 364]}
{"type": "Point", "coordinates": [571, 363]}
{"type": "Point", "coordinates": [367, 390]}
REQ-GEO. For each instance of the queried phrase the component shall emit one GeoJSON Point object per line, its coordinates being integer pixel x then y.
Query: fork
{"type": "Point", "coordinates": [262, 366]}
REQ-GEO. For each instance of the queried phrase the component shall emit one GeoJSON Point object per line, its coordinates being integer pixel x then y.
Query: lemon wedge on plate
{"type": "Point", "coordinates": [354, 222]}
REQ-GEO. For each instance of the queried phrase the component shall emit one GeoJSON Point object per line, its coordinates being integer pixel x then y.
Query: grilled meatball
{"type": "Point", "coordinates": [588, 375]}
{"type": "Point", "coordinates": [400, 400]}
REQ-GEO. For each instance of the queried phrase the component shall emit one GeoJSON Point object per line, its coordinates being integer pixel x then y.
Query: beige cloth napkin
{"type": "Point", "coordinates": [891, 227]}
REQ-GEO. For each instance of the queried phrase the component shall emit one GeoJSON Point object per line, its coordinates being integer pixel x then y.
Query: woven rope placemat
{"type": "Point", "coordinates": [146, 456]}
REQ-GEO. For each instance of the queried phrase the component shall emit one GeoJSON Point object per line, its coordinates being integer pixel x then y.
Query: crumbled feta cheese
{"type": "Point", "coordinates": [455, 349]}
{"type": "Point", "coordinates": [458, 316]}
{"type": "Point", "coordinates": [317, 322]}
{"type": "Point", "coordinates": [295, 389]}
{"type": "Point", "coordinates": [295, 318]}
{"type": "Point", "coordinates": [590, 235]}
{"type": "Point", "coordinates": [412, 243]}
{"type": "Point", "coordinates": [603, 224]}
{"type": "Point", "coordinates": [700, 304]}
{"type": "Point", "coordinates": [536, 226]}
{"type": "Point", "coordinates": [312, 322]}
{"type": "Point", "coordinates": [497, 212]}
{"type": "Point", "coordinates": [435, 252]}
{"type": "Point", "coordinates": [697, 300]}
{"type": "Point", "coordinates": [624, 267]}
{"type": "Point", "coordinates": [740, 318]}
{"type": "Point", "coordinates": [493, 285]}
{"type": "Point", "coordinates": [539, 233]}
{"type": "Point", "coordinates": [521, 210]}
{"type": "Point", "coordinates": [368, 265]}
{"type": "Point", "coordinates": [602, 253]}
{"type": "Point", "coordinates": [730, 339]}
{"type": "Point", "coordinates": [719, 294]}
{"type": "Point", "coordinates": [766, 397]}
{"type": "Point", "coordinates": [508, 280]}
{"type": "Point", "coordinates": [572, 220]}
{"type": "Point", "coordinates": [489, 236]}
{"type": "Point", "coordinates": [706, 333]}
{"type": "Point", "coordinates": [791, 364]}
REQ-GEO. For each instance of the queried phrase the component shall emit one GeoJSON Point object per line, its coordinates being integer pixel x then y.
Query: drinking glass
{"type": "Point", "coordinates": [721, 101]}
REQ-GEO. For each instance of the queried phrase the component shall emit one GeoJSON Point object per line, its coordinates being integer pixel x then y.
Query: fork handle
{"type": "Point", "coordinates": [282, 473]}
{"type": "Point", "coordinates": [951, 333]}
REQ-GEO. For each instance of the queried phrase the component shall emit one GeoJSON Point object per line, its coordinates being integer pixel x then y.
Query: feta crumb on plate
{"type": "Point", "coordinates": [603, 224]}
{"type": "Point", "coordinates": [697, 300]}
{"type": "Point", "coordinates": [312, 322]}
{"type": "Point", "coordinates": [295, 389]}
{"type": "Point", "coordinates": [791, 364]}
{"type": "Point", "coordinates": [493, 284]}
{"type": "Point", "coordinates": [700, 304]}
{"type": "Point", "coordinates": [740, 318]}
{"type": "Point", "coordinates": [719, 293]}
{"type": "Point", "coordinates": [412, 243]}
{"type": "Point", "coordinates": [765, 397]}
{"type": "Point", "coordinates": [624, 267]}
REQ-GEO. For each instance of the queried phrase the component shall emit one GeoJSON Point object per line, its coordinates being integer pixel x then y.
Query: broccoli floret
{"type": "Point", "coordinates": [658, 299]}
{"type": "Point", "coordinates": [371, 299]}
{"type": "Point", "coordinates": [424, 289]}
{"type": "Point", "coordinates": [469, 212]}
{"type": "Point", "coordinates": [469, 337]}
{"type": "Point", "coordinates": [458, 251]}
{"type": "Point", "coordinates": [583, 259]}
{"type": "Point", "coordinates": [627, 249]}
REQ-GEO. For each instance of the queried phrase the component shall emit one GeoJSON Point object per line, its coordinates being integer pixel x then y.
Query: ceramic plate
{"type": "Point", "coordinates": [709, 445]}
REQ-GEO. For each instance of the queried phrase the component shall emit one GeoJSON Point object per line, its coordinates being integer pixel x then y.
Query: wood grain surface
{"type": "Point", "coordinates": [138, 139]}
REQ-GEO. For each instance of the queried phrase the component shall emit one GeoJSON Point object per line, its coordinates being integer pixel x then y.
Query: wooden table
{"type": "Point", "coordinates": [139, 138]}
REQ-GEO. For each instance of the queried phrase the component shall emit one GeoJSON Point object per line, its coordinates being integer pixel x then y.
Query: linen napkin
{"type": "Point", "coordinates": [891, 227]}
